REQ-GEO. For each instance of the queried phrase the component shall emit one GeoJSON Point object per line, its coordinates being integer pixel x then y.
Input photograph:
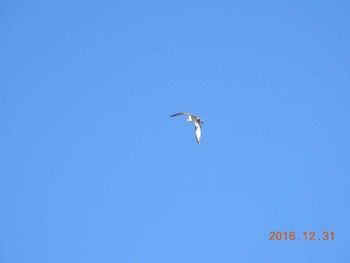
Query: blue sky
{"type": "Point", "coordinates": [92, 169]}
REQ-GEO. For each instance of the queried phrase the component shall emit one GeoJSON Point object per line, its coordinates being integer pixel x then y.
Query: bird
{"type": "Point", "coordinates": [197, 123]}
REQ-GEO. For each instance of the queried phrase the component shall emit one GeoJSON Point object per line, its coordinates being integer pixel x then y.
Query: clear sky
{"type": "Point", "coordinates": [92, 169]}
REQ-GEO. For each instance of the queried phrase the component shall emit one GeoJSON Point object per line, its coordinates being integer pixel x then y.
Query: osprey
{"type": "Point", "coordinates": [197, 123]}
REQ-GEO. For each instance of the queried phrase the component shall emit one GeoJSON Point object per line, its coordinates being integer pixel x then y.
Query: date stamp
{"type": "Point", "coordinates": [307, 235]}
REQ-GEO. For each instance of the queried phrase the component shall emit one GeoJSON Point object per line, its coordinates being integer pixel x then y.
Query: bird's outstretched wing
{"type": "Point", "coordinates": [181, 113]}
{"type": "Point", "coordinates": [197, 127]}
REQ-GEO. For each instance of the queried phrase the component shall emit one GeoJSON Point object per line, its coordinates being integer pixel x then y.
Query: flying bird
{"type": "Point", "coordinates": [197, 123]}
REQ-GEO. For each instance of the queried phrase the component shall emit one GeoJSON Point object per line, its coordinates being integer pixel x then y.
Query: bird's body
{"type": "Point", "coordinates": [197, 123]}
